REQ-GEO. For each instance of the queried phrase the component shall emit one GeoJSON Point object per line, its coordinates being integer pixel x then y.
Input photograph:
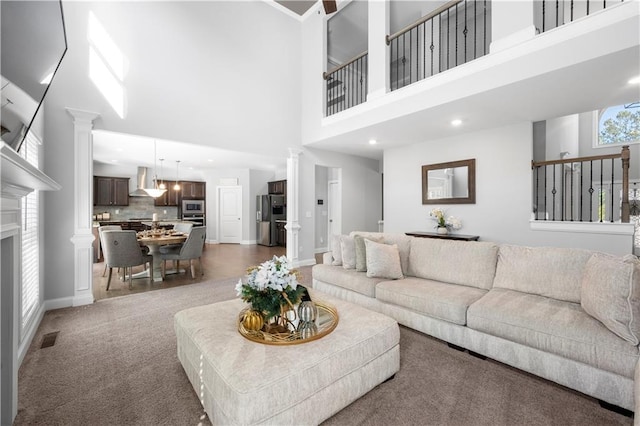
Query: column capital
{"type": "Point", "coordinates": [80, 116]}
{"type": "Point", "coordinates": [295, 152]}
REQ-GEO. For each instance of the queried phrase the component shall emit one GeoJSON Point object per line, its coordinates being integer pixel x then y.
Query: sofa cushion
{"type": "Point", "coordinates": [546, 271]}
{"type": "Point", "coordinates": [554, 326]}
{"type": "Point", "coordinates": [457, 262]}
{"type": "Point", "coordinates": [402, 241]}
{"type": "Point", "coordinates": [383, 261]}
{"type": "Point", "coordinates": [448, 302]}
{"type": "Point", "coordinates": [348, 247]}
{"type": "Point", "coordinates": [336, 249]}
{"type": "Point", "coordinates": [346, 278]}
{"type": "Point", "coordinates": [361, 251]}
{"type": "Point", "coordinates": [610, 293]}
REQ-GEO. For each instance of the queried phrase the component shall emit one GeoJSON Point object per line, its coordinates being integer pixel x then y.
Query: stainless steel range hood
{"type": "Point", "coordinates": [143, 180]}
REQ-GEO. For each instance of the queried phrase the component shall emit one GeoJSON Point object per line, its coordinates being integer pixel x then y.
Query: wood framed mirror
{"type": "Point", "coordinates": [449, 183]}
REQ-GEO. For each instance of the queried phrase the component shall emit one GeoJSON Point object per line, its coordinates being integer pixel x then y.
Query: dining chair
{"type": "Point", "coordinates": [121, 250]}
{"type": "Point", "coordinates": [190, 250]}
{"type": "Point", "coordinates": [101, 229]}
{"type": "Point", "coordinates": [184, 227]}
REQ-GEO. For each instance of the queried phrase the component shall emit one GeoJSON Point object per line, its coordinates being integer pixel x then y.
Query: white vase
{"type": "Point", "coordinates": [442, 230]}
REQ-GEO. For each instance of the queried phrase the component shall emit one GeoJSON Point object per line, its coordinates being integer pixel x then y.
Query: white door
{"type": "Point", "coordinates": [230, 214]}
{"type": "Point", "coordinates": [335, 209]}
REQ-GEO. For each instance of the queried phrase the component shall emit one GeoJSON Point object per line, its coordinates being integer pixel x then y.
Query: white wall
{"type": "Point", "coordinates": [321, 210]}
{"type": "Point", "coordinates": [562, 136]}
{"type": "Point", "coordinates": [503, 191]}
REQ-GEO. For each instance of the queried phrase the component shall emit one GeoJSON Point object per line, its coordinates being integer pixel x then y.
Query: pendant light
{"type": "Point", "coordinates": [176, 187]}
{"type": "Point", "coordinates": [155, 192]}
{"type": "Point", "coordinates": [162, 185]}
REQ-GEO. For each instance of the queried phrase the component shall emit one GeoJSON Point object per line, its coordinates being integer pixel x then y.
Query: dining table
{"type": "Point", "coordinates": [154, 242]}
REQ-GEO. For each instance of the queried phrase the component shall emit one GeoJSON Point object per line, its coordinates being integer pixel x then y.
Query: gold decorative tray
{"type": "Point", "coordinates": [325, 322]}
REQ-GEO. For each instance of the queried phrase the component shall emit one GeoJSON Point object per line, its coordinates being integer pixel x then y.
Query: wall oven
{"type": "Point", "coordinates": [193, 211]}
{"type": "Point", "coordinates": [193, 207]}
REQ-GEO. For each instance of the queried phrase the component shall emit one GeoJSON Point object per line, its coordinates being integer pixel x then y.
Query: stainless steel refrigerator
{"type": "Point", "coordinates": [269, 209]}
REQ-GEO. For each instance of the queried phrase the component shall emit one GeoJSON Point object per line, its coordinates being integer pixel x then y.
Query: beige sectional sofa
{"type": "Point", "coordinates": [568, 315]}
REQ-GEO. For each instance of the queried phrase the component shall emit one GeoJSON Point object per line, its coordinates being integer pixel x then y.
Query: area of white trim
{"type": "Point", "coordinates": [583, 227]}
{"type": "Point", "coordinates": [322, 250]}
{"type": "Point", "coordinates": [29, 333]}
{"type": "Point", "coordinates": [304, 262]}
{"type": "Point", "coordinates": [212, 241]}
{"type": "Point", "coordinates": [248, 242]}
{"type": "Point", "coordinates": [62, 302]}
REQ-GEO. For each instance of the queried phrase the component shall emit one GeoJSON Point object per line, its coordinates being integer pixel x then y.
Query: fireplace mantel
{"type": "Point", "coordinates": [19, 177]}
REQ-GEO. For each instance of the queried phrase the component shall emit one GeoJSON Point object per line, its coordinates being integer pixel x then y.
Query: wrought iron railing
{"type": "Point", "coordinates": [346, 85]}
{"type": "Point", "coordinates": [451, 35]}
{"type": "Point", "coordinates": [584, 189]}
{"type": "Point", "coordinates": [551, 14]}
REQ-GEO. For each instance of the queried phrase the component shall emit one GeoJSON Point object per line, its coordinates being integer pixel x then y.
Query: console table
{"type": "Point", "coordinates": [459, 237]}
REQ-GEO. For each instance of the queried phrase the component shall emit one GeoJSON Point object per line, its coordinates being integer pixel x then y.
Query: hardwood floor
{"type": "Point", "coordinates": [218, 261]}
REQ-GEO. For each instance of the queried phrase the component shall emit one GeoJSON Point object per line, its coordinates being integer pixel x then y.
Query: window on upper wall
{"type": "Point", "coordinates": [619, 125]}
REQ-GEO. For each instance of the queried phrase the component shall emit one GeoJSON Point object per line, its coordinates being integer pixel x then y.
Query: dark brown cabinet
{"type": "Point", "coordinates": [277, 187]}
{"type": "Point", "coordinates": [170, 198]}
{"type": "Point", "coordinates": [193, 190]}
{"type": "Point", "coordinates": [281, 234]}
{"type": "Point", "coordinates": [110, 191]}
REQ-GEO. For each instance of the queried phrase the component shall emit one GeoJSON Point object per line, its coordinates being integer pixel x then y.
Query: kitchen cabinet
{"type": "Point", "coordinates": [170, 198]}
{"type": "Point", "coordinates": [277, 187]}
{"type": "Point", "coordinates": [281, 234]}
{"type": "Point", "coordinates": [193, 190]}
{"type": "Point", "coordinates": [110, 191]}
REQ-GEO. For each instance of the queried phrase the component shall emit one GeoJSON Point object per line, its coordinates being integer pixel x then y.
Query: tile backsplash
{"type": "Point", "coordinates": [139, 207]}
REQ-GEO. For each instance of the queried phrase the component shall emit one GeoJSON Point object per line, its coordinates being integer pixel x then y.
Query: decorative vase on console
{"type": "Point", "coordinates": [444, 224]}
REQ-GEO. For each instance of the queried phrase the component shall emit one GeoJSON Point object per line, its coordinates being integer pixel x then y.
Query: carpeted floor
{"type": "Point", "coordinates": [114, 363]}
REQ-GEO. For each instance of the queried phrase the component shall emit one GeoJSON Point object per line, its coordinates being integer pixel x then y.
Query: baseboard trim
{"type": "Point", "coordinates": [83, 300]}
{"type": "Point", "coordinates": [63, 302]}
{"type": "Point", "coordinates": [211, 241]}
{"type": "Point", "coordinates": [248, 242]}
{"type": "Point", "coordinates": [322, 250]}
{"type": "Point", "coordinates": [304, 262]}
{"type": "Point", "coordinates": [30, 333]}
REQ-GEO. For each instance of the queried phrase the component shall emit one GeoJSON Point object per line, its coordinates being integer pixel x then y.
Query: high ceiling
{"type": "Point", "coordinates": [297, 6]}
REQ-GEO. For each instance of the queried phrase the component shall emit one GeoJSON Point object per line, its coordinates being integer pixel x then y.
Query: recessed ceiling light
{"type": "Point", "coordinates": [114, 161]}
{"type": "Point", "coordinates": [635, 80]}
{"type": "Point", "coordinates": [210, 160]}
{"type": "Point", "coordinates": [372, 141]}
{"type": "Point", "coordinates": [456, 122]}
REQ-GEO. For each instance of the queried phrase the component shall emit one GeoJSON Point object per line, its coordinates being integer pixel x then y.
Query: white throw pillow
{"type": "Point", "coordinates": [611, 293]}
{"type": "Point", "coordinates": [383, 261]}
{"type": "Point", "coordinates": [348, 246]}
{"type": "Point", "coordinates": [336, 250]}
{"type": "Point", "coordinates": [361, 251]}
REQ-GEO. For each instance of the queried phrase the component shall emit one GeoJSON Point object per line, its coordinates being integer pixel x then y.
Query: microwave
{"type": "Point", "coordinates": [192, 207]}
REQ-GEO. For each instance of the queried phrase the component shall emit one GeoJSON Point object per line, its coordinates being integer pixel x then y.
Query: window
{"type": "Point", "coordinates": [619, 125]}
{"type": "Point", "coordinates": [30, 289]}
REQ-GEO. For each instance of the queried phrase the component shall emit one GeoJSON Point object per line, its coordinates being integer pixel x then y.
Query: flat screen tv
{"type": "Point", "coordinates": [33, 43]}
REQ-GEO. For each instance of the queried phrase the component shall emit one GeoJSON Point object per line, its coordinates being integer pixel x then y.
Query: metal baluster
{"type": "Point", "coordinates": [571, 10]}
{"type": "Point", "coordinates": [536, 171]}
{"type": "Point", "coordinates": [553, 194]}
{"type": "Point", "coordinates": [581, 189]}
{"type": "Point", "coordinates": [557, 12]}
{"type": "Point", "coordinates": [465, 31]}
{"type": "Point", "coordinates": [424, 50]}
{"type": "Point", "coordinates": [564, 191]}
{"type": "Point", "coordinates": [600, 194]}
{"type": "Point", "coordinates": [545, 192]}
{"type": "Point", "coordinates": [587, 7]}
{"type": "Point", "coordinates": [484, 42]}
{"type": "Point", "coordinates": [571, 198]}
{"type": "Point", "coordinates": [431, 47]}
{"type": "Point", "coordinates": [410, 55]}
{"type": "Point", "coordinates": [591, 191]}
{"type": "Point", "coordinates": [475, 30]}
{"type": "Point", "coordinates": [456, 34]}
{"type": "Point", "coordinates": [543, 15]}
{"type": "Point", "coordinates": [439, 43]}
{"type": "Point", "coordinates": [448, 43]}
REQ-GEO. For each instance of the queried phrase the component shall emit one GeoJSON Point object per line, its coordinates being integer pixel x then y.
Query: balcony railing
{"type": "Point", "coordinates": [451, 35]}
{"type": "Point", "coordinates": [585, 189]}
{"type": "Point", "coordinates": [346, 85]}
{"type": "Point", "coordinates": [551, 14]}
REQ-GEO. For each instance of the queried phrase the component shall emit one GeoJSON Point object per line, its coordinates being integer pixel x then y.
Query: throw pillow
{"type": "Point", "coordinates": [336, 250]}
{"type": "Point", "coordinates": [361, 251]}
{"type": "Point", "coordinates": [383, 261]}
{"type": "Point", "coordinates": [348, 246]}
{"type": "Point", "coordinates": [611, 293]}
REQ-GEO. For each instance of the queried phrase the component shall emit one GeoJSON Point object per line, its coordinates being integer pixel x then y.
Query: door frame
{"type": "Point", "coordinates": [218, 216]}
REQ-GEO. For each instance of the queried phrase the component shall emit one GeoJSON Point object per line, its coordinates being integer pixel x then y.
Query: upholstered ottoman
{"type": "Point", "coordinates": [243, 382]}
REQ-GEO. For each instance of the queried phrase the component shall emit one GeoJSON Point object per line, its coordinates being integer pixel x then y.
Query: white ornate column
{"type": "Point", "coordinates": [83, 206]}
{"type": "Point", "coordinates": [293, 206]}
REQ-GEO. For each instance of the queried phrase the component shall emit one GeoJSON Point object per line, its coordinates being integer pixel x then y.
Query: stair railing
{"type": "Point", "coordinates": [451, 35]}
{"type": "Point", "coordinates": [583, 189]}
{"type": "Point", "coordinates": [346, 85]}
